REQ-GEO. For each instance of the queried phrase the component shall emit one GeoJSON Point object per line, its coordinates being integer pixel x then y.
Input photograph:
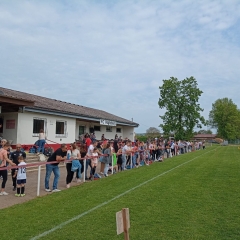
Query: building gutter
{"type": "Point", "coordinates": [74, 116]}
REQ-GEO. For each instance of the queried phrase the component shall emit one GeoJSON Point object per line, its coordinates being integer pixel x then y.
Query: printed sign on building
{"type": "Point", "coordinates": [107, 122]}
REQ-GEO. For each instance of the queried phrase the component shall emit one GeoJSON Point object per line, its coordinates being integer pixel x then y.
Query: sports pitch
{"type": "Point", "coordinates": [192, 196]}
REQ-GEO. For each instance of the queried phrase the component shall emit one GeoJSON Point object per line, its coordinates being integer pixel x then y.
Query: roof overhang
{"type": "Point", "coordinates": [10, 104]}
{"type": "Point", "coordinates": [15, 101]}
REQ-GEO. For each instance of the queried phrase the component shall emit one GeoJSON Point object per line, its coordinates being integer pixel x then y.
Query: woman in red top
{"type": "Point", "coordinates": [88, 141]}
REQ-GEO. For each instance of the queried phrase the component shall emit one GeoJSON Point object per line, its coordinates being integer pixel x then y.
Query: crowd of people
{"type": "Point", "coordinates": [85, 155]}
{"type": "Point", "coordinates": [91, 152]}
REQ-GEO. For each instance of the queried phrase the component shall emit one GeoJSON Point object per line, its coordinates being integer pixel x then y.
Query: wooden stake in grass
{"type": "Point", "coordinates": [123, 222]}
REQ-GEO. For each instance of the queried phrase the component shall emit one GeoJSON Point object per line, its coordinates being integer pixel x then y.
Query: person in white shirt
{"type": "Point", "coordinates": [21, 177]}
{"type": "Point", "coordinates": [88, 160]}
{"type": "Point", "coordinates": [125, 152]}
{"type": "Point", "coordinates": [72, 154]}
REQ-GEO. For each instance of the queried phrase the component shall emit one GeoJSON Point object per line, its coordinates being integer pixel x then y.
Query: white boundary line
{"type": "Point", "coordinates": [105, 203]}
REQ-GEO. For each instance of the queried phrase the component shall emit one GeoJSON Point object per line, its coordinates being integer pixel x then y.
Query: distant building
{"type": "Point", "coordinates": [23, 115]}
{"type": "Point", "coordinates": [206, 137]}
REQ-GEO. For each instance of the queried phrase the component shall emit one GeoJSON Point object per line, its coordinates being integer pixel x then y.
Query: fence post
{"type": "Point", "coordinates": [39, 180]}
{"type": "Point", "coordinates": [131, 161]}
{"type": "Point", "coordinates": [84, 168]}
{"type": "Point", "coordinates": [112, 163]}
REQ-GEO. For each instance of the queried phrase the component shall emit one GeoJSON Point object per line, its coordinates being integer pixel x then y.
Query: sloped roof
{"type": "Point", "coordinates": [53, 105]}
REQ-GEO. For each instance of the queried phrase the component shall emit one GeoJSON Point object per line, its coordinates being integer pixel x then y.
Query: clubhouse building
{"type": "Point", "coordinates": [22, 115]}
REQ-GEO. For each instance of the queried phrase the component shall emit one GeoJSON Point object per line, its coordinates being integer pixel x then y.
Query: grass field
{"type": "Point", "coordinates": [193, 196]}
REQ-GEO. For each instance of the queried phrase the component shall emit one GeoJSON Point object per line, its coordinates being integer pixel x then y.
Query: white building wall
{"type": "Point", "coordinates": [128, 132]}
{"type": "Point", "coordinates": [125, 131]}
{"type": "Point", "coordinates": [10, 134]}
{"type": "Point", "coordinates": [25, 128]}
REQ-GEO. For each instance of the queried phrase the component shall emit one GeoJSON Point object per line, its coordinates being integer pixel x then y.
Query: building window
{"type": "Point", "coordinates": [97, 129]}
{"type": "Point", "coordinates": [118, 130]}
{"type": "Point", "coordinates": [108, 129]}
{"type": "Point", "coordinates": [38, 124]}
{"type": "Point", "coordinates": [81, 130]}
{"type": "Point", "coordinates": [61, 128]}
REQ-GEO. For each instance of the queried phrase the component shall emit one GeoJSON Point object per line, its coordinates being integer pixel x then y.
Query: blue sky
{"type": "Point", "coordinates": [113, 55]}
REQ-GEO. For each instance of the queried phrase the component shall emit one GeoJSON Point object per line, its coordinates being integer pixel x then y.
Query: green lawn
{"type": "Point", "coordinates": [197, 200]}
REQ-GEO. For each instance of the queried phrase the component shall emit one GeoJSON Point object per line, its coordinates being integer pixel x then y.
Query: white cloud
{"type": "Point", "coordinates": [114, 55]}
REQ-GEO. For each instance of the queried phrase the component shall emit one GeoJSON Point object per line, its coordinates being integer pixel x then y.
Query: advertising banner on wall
{"type": "Point", "coordinates": [107, 122]}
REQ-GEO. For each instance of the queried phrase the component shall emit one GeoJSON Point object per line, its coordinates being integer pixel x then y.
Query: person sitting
{"type": "Point", "coordinates": [41, 141]}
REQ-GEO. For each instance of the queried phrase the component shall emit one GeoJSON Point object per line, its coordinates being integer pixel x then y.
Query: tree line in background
{"type": "Point", "coordinates": [182, 115]}
{"type": "Point", "coordinates": [225, 117]}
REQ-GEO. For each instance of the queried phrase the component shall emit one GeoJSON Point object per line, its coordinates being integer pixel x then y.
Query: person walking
{"type": "Point", "coordinates": [59, 155]}
{"type": "Point", "coordinates": [14, 157]}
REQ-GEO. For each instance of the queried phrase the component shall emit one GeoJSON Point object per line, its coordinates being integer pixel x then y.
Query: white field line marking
{"type": "Point", "coordinates": [105, 203]}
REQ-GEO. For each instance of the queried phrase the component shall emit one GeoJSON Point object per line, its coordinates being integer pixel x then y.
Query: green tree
{"type": "Point", "coordinates": [225, 117]}
{"type": "Point", "coordinates": [180, 99]}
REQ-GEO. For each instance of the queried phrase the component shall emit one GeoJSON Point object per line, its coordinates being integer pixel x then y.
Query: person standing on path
{"type": "Point", "coordinates": [59, 155]}
{"type": "Point", "coordinates": [14, 157]}
{"type": "Point", "coordinates": [21, 176]}
{"type": "Point", "coordinates": [3, 163]}
{"type": "Point", "coordinates": [74, 154]}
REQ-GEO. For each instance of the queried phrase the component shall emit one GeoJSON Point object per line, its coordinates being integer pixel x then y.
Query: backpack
{"type": "Point", "coordinates": [42, 157]}
{"type": "Point", "coordinates": [32, 150]}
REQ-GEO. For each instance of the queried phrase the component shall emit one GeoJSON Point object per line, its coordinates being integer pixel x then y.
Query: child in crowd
{"type": "Point", "coordinates": [119, 159]}
{"type": "Point", "coordinates": [21, 177]}
{"type": "Point", "coordinates": [94, 161]}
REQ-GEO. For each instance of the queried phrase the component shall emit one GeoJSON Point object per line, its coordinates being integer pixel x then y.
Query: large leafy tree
{"type": "Point", "coordinates": [180, 99]}
{"type": "Point", "coordinates": [225, 116]}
